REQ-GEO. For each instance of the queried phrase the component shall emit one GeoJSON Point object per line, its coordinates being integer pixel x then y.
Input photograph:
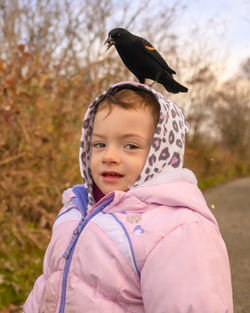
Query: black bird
{"type": "Point", "coordinates": [142, 59]}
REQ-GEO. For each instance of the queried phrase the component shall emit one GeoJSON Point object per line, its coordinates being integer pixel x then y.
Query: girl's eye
{"type": "Point", "coordinates": [131, 147]}
{"type": "Point", "coordinates": [98, 145]}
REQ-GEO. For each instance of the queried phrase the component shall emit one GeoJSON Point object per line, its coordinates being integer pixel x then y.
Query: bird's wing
{"type": "Point", "coordinates": [156, 56]}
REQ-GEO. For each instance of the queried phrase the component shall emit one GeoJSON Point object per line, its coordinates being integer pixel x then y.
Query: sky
{"type": "Point", "coordinates": [233, 18]}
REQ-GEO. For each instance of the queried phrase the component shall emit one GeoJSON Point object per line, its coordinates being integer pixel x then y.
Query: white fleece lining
{"type": "Point", "coordinates": [171, 175]}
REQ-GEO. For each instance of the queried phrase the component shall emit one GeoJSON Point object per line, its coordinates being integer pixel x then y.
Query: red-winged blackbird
{"type": "Point", "coordinates": [142, 59]}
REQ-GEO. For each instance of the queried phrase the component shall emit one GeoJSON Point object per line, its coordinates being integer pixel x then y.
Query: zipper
{"type": "Point", "coordinates": [68, 254]}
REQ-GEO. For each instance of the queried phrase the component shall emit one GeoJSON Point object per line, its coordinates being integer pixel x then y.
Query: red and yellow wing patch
{"type": "Point", "coordinates": [149, 47]}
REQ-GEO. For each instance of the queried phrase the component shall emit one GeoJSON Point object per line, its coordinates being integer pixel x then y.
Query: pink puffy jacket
{"type": "Point", "coordinates": [155, 248]}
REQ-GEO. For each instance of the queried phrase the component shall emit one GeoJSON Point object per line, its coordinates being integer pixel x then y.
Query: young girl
{"type": "Point", "coordinates": [137, 236]}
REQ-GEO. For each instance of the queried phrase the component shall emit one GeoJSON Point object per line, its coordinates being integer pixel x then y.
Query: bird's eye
{"type": "Point", "coordinates": [118, 35]}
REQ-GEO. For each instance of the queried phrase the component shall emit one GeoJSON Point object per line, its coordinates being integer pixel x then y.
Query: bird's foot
{"type": "Point", "coordinates": [152, 84]}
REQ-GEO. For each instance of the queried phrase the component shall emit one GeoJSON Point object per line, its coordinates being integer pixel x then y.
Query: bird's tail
{"type": "Point", "coordinates": [171, 85]}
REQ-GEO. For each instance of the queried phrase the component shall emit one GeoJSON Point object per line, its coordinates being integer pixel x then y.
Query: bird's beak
{"type": "Point", "coordinates": [110, 41]}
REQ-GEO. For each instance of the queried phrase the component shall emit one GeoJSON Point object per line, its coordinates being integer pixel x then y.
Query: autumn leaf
{"type": "Point", "coordinates": [21, 48]}
{"type": "Point", "coordinates": [2, 67]}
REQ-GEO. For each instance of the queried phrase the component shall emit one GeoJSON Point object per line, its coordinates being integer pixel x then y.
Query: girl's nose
{"type": "Point", "coordinates": [111, 156]}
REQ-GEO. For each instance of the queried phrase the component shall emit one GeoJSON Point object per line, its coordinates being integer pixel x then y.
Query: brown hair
{"type": "Point", "coordinates": [132, 99]}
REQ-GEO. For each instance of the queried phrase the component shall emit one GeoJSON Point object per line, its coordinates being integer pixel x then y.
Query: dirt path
{"type": "Point", "coordinates": [230, 203]}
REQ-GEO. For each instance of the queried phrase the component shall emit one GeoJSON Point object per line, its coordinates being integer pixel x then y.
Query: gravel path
{"type": "Point", "coordinates": [230, 203]}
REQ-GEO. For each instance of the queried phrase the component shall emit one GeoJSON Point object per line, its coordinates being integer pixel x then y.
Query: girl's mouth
{"type": "Point", "coordinates": [111, 176]}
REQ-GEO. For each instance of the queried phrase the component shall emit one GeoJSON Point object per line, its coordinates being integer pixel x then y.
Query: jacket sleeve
{"type": "Point", "coordinates": [33, 301]}
{"type": "Point", "coordinates": [188, 272]}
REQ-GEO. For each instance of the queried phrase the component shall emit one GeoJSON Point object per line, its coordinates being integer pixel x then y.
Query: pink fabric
{"type": "Point", "coordinates": [178, 249]}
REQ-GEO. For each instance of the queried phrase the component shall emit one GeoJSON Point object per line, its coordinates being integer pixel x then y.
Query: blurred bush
{"type": "Point", "coordinates": [40, 119]}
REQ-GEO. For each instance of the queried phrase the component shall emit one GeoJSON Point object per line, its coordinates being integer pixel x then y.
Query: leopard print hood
{"type": "Point", "coordinates": [167, 150]}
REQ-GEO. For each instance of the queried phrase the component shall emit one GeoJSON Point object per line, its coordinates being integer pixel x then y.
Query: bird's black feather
{"type": "Point", "coordinates": [143, 60]}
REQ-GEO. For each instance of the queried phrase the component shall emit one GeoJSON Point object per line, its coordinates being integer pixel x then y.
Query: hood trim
{"type": "Point", "coordinates": [171, 176]}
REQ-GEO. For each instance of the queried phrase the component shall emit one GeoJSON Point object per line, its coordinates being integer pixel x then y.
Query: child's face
{"type": "Point", "coordinates": [121, 141]}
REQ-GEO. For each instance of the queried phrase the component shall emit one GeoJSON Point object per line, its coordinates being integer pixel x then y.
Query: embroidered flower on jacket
{"type": "Point", "coordinates": [133, 219]}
